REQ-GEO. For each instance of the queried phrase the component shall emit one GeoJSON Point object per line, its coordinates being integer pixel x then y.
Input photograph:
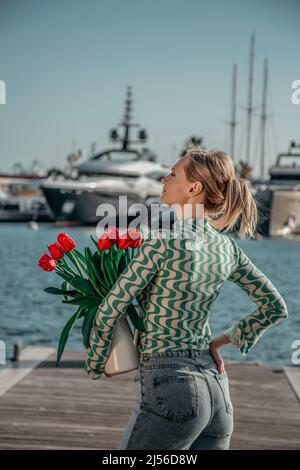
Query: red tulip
{"type": "Point", "coordinates": [124, 242]}
{"type": "Point", "coordinates": [136, 237]}
{"type": "Point", "coordinates": [66, 243]}
{"type": "Point", "coordinates": [47, 263]}
{"type": "Point", "coordinates": [131, 239]}
{"type": "Point", "coordinates": [56, 251]}
{"type": "Point", "coordinates": [113, 234]}
{"type": "Point", "coordinates": [108, 239]}
{"type": "Point", "coordinates": [104, 242]}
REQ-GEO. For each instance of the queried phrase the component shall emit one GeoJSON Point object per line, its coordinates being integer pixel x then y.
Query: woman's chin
{"type": "Point", "coordinates": [163, 200]}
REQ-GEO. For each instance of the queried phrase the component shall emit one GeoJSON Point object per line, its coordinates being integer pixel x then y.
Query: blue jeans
{"type": "Point", "coordinates": [184, 403]}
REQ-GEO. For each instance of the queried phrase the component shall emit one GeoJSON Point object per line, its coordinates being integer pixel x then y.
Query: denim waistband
{"type": "Point", "coordinates": [175, 353]}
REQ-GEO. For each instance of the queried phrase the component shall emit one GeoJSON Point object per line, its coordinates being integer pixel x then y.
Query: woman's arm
{"type": "Point", "coordinates": [135, 277]}
{"type": "Point", "coordinates": [271, 307]}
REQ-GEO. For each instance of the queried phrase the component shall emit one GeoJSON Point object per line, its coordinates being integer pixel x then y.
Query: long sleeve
{"type": "Point", "coordinates": [271, 307]}
{"type": "Point", "coordinates": [136, 276]}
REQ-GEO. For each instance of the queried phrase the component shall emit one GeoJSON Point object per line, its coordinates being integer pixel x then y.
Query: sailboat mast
{"type": "Point", "coordinates": [233, 121]}
{"type": "Point", "coordinates": [250, 95]}
{"type": "Point", "coordinates": [263, 120]}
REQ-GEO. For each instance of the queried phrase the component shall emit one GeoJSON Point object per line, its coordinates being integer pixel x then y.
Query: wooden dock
{"type": "Point", "coordinates": [44, 407]}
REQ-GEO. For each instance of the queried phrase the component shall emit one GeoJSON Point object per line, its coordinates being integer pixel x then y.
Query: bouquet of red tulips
{"type": "Point", "coordinates": [88, 277]}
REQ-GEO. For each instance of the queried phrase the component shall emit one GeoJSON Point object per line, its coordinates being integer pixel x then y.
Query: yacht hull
{"type": "Point", "coordinates": [279, 210]}
{"type": "Point", "coordinates": [16, 216]}
{"type": "Point", "coordinates": [80, 207]}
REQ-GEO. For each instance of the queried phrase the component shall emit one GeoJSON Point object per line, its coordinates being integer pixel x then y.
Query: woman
{"type": "Point", "coordinates": [184, 398]}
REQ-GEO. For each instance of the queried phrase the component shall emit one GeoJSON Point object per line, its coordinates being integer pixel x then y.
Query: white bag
{"type": "Point", "coordinates": [123, 356]}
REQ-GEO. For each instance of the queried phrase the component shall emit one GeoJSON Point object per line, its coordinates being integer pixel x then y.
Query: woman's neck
{"type": "Point", "coordinates": [192, 214]}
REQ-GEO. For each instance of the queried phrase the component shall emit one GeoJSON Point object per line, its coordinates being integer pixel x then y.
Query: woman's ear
{"type": "Point", "coordinates": [196, 188]}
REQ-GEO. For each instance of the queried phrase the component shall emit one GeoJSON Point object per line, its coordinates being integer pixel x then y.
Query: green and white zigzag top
{"type": "Point", "coordinates": [176, 280]}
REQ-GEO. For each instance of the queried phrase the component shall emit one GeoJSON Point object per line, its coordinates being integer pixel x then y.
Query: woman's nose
{"type": "Point", "coordinates": [163, 180]}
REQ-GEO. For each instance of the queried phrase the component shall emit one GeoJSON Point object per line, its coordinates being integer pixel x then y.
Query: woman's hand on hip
{"type": "Point", "coordinates": [215, 346]}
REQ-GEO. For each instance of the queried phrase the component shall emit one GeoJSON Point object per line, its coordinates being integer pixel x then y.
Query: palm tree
{"type": "Point", "coordinates": [54, 172]}
{"type": "Point", "coordinates": [244, 170]}
{"type": "Point", "coordinates": [34, 166]}
{"type": "Point", "coordinates": [18, 168]}
{"type": "Point", "coordinates": [193, 141]}
{"type": "Point", "coordinates": [73, 158]}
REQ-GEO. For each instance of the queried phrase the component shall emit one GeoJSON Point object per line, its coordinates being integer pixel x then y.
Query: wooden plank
{"type": "Point", "coordinates": [30, 358]}
{"type": "Point", "coordinates": [293, 376]}
{"type": "Point", "coordinates": [62, 408]}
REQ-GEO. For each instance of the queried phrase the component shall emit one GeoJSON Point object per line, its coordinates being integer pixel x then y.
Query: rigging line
{"type": "Point", "coordinates": [241, 141]}
{"type": "Point", "coordinates": [272, 136]}
{"type": "Point", "coordinates": [225, 139]}
{"type": "Point", "coordinates": [272, 117]}
{"type": "Point", "coordinates": [269, 145]}
{"type": "Point", "coordinates": [255, 160]}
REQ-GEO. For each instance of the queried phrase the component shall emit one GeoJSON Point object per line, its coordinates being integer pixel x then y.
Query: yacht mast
{"type": "Point", "coordinates": [263, 117]}
{"type": "Point", "coordinates": [249, 108]}
{"type": "Point", "coordinates": [127, 119]}
{"type": "Point", "coordinates": [127, 124]}
{"type": "Point", "coordinates": [233, 121]}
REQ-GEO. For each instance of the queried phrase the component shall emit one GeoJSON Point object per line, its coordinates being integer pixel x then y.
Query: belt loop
{"type": "Point", "coordinates": [190, 353]}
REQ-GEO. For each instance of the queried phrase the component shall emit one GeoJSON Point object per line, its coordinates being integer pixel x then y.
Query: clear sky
{"type": "Point", "coordinates": [66, 65]}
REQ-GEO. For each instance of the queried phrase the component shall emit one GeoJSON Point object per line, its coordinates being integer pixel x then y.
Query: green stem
{"type": "Point", "coordinates": [63, 265]}
{"type": "Point", "coordinates": [70, 257]}
{"type": "Point", "coordinates": [81, 265]}
{"type": "Point", "coordinates": [77, 264]}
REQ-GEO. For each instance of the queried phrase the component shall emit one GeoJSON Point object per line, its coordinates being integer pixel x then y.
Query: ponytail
{"type": "Point", "coordinates": [228, 198]}
{"type": "Point", "coordinates": [239, 206]}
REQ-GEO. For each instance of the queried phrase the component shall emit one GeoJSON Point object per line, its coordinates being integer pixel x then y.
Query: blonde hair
{"type": "Point", "coordinates": [229, 198]}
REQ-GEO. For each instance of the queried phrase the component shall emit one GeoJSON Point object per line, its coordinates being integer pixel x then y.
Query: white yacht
{"type": "Point", "coordinates": [279, 197]}
{"type": "Point", "coordinates": [107, 175]}
{"type": "Point", "coordinates": [21, 199]}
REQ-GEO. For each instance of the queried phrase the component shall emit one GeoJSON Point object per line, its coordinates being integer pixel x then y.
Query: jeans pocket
{"type": "Point", "coordinates": [208, 366]}
{"type": "Point", "coordinates": [175, 397]}
{"type": "Point", "coordinates": [222, 380]}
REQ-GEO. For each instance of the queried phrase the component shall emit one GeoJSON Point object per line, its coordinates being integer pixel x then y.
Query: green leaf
{"type": "Point", "coordinates": [64, 292]}
{"type": "Point", "coordinates": [122, 264]}
{"type": "Point", "coordinates": [68, 292]}
{"type": "Point", "coordinates": [87, 325]}
{"type": "Point", "coordinates": [83, 301]}
{"type": "Point", "coordinates": [97, 259]}
{"type": "Point", "coordinates": [95, 243]}
{"type": "Point", "coordinates": [65, 334]}
{"type": "Point", "coordinates": [135, 318]}
{"type": "Point", "coordinates": [90, 269]}
{"type": "Point", "coordinates": [80, 256]}
{"type": "Point", "coordinates": [83, 285]}
{"type": "Point", "coordinates": [64, 266]}
{"type": "Point", "coordinates": [97, 281]}
{"type": "Point", "coordinates": [64, 286]}
{"type": "Point", "coordinates": [108, 271]}
{"type": "Point", "coordinates": [128, 255]}
{"type": "Point", "coordinates": [102, 254]}
{"type": "Point", "coordinates": [118, 257]}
